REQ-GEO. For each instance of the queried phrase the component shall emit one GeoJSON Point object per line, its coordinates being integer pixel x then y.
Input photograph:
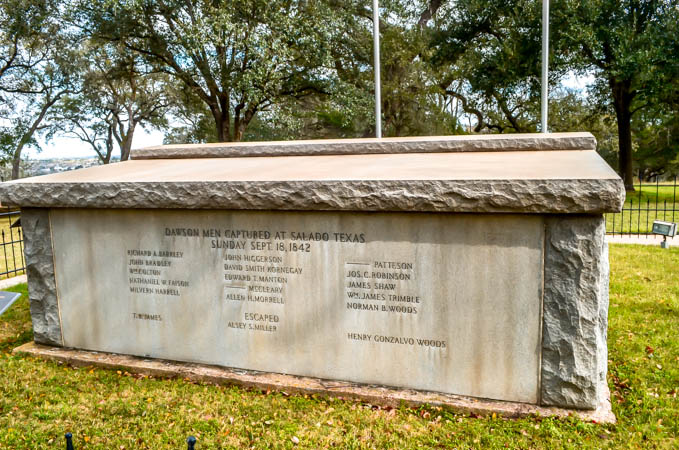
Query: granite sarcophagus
{"type": "Point", "coordinates": [473, 265]}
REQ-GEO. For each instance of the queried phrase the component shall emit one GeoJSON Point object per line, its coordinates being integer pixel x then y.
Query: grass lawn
{"type": "Point", "coordinates": [115, 410]}
{"type": "Point", "coordinates": [665, 192]}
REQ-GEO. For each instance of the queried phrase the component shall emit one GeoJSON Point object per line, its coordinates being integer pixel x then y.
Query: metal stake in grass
{"type": "Point", "coordinates": [192, 442]}
{"type": "Point", "coordinates": [69, 441]}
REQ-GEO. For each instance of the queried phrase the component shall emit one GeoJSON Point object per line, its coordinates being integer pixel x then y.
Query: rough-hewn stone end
{"type": "Point", "coordinates": [575, 312]}
{"type": "Point", "coordinates": [42, 290]}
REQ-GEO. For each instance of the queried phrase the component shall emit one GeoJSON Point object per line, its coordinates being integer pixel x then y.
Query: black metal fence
{"type": "Point", "coordinates": [648, 202]}
{"type": "Point", "coordinates": [12, 260]}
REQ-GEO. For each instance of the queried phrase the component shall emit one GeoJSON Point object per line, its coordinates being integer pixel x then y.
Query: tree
{"type": "Point", "coordinates": [238, 58]}
{"type": "Point", "coordinates": [489, 56]}
{"type": "Point", "coordinates": [627, 44]}
{"type": "Point", "coordinates": [656, 131]}
{"type": "Point", "coordinates": [35, 72]}
{"type": "Point", "coordinates": [411, 100]}
{"type": "Point", "coordinates": [656, 127]}
{"type": "Point", "coordinates": [118, 95]}
{"type": "Point", "coordinates": [23, 24]}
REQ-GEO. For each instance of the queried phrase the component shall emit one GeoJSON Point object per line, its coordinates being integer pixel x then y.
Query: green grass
{"type": "Point", "coordinates": [107, 409]}
{"type": "Point", "coordinates": [643, 204]}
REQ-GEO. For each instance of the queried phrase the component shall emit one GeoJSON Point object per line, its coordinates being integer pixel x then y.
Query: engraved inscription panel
{"type": "Point", "coordinates": [439, 302]}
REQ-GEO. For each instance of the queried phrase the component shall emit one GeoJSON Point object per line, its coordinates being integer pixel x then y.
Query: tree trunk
{"type": "Point", "coordinates": [243, 123]}
{"type": "Point", "coordinates": [16, 160]}
{"type": "Point", "coordinates": [127, 143]}
{"type": "Point", "coordinates": [222, 125]}
{"type": "Point", "coordinates": [109, 146]}
{"type": "Point", "coordinates": [622, 100]}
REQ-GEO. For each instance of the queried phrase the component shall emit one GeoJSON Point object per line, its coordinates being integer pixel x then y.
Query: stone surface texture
{"type": "Point", "coordinates": [488, 196]}
{"type": "Point", "coordinates": [461, 315]}
{"type": "Point", "coordinates": [474, 143]}
{"type": "Point", "coordinates": [471, 166]}
{"type": "Point", "coordinates": [289, 384]}
{"type": "Point", "coordinates": [575, 312]}
{"type": "Point", "coordinates": [554, 181]}
{"type": "Point", "coordinates": [42, 290]}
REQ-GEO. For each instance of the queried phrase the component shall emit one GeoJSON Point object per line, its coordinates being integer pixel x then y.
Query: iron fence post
{"type": "Point", "coordinates": [69, 441]}
{"type": "Point", "coordinates": [191, 441]}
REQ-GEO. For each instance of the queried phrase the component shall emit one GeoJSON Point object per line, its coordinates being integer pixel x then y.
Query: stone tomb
{"type": "Point", "coordinates": [473, 266]}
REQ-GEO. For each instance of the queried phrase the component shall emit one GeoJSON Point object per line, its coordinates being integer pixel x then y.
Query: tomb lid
{"type": "Point", "coordinates": [417, 144]}
{"type": "Point", "coordinates": [497, 175]}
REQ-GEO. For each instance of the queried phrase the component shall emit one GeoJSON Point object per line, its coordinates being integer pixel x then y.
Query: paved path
{"type": "Point", "coordinates": [9, 282]}
{"type": "Point", "coordinates": [644, 240]}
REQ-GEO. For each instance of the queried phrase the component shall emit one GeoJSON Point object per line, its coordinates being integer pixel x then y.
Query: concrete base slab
{"type": "Point", "coordinates": [377, 395]}
{"type": "Point", "coordinates": [10, 282]}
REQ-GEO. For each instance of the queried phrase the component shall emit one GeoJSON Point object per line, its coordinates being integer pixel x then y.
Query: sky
{"type": "Point", "coordinates": [573, 81]}
{"type": "Point", "coordinates": [62, 147]}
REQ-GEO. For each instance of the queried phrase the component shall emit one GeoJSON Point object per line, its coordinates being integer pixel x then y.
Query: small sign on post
{"type": "Point", "coordinates": [664, 229]}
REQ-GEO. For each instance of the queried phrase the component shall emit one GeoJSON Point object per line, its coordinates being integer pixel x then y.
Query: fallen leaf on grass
{"type": "Point", "coordinates": [624, 384]}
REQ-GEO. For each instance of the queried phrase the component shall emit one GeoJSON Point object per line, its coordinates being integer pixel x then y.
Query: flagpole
{"type": "Point", "coordinates": [545, 68]}
{"type": "Point", "coordinates": [376, 57]}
